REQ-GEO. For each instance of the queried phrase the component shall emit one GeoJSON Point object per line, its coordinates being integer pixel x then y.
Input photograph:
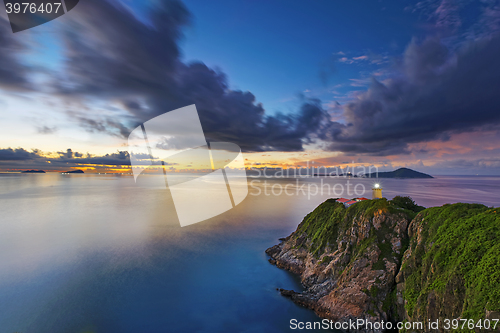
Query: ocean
{"type": "Point", "coordinates": [99, 253]}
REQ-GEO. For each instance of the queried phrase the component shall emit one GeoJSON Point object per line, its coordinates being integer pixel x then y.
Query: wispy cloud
{"type": "Point", "coordinates": [363, 57]}
{"type": "Point", "coordinates": [353, 60]}
{"type": "Point", "coordinates": [46, 129]}
{"type": "Point", "coordinates": [360, 82]}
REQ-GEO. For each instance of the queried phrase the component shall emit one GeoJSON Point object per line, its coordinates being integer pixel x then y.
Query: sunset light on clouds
{"type": "Point", "coordinates": [258, 166]}
{"type": "Point", "coordinates": [419, 90]}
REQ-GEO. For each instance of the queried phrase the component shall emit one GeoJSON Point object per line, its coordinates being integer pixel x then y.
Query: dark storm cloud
{"type": "Point", "coordinates": [111, 53]}
{"type": "Point", "coordinates": [19, 159]}
{"type": "Point", "coordinates": [18, 154]}
{"type": "Point", "coordinates": [120, 158]}
{"type": "Point", "coordinates": [233, 115]}
{"type": "Point", "coordinates": [12, 73]}
{"type": "Point", "coordinates": [69, 154]}
{"type": "Point", "coordinates": [436, 94]}
{"type": "Point", "coordinates": [74, 158]}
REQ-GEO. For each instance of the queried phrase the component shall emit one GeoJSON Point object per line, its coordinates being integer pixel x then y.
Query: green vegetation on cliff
{"type": "Point", "coordinates": [323, 224]}
{"type": "Point", "coordinates": [453, 263]}
{"type": "Point", "coordinates": [407, 203]}
{"type": "Point", "coordinates": [410, 263]}
{"type": "Point", "coordinates": [356, 255]}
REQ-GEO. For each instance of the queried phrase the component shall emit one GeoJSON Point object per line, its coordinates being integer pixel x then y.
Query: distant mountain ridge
{"type": "Point", "coordinates": [399, 173]}
{"type": "Point", "coordinates": [33, 171]}
{"type": "Point", "coordinates": [74, 171]}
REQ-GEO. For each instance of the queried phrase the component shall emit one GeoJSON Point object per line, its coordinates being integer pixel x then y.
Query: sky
{"type": "Point", "coordinates": [387, 83]}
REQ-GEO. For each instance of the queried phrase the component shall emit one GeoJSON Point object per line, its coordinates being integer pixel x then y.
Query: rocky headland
{"type": "Point", "coordinates": [381, 260]}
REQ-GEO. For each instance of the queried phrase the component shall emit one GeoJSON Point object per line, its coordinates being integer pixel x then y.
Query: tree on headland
{"type": "Point", "coordinates": [406, 203]}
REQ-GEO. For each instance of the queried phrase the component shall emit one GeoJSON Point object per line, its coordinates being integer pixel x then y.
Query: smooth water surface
{"type": "Point", "coordinates": [98, 253]}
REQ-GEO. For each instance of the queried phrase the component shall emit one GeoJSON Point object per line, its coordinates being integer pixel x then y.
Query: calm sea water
{"type": "Point", "coordinates": [98, 253]}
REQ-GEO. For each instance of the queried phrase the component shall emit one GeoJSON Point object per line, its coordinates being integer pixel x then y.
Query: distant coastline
{"type": "Point", "coordinates": [74, 171]}
{"type": "Point", "coordinates": [399, 173]}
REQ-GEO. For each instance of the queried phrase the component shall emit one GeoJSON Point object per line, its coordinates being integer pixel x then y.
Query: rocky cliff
{"type": "Point", "coordinates": [376, 261]}
{"type": "Point", "coordinates": [347, 258]}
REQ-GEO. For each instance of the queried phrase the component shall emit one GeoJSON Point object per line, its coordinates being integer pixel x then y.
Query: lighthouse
{"type": "Point", "coordinates": [377, 191]}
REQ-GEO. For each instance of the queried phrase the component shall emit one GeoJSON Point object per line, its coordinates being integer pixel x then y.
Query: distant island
{"type": "Point", "coordinates": [74, 171]}
{"type": "Point", "coordinates": [334, 175]}
{"type": "Point", "coordinates": [399, 173]}
{"type": "Point", "coordinates": [33, 171]}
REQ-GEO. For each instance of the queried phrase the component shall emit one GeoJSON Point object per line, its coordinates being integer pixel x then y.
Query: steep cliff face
{"type": "Point", "coordinates": [452, 266]}
{"type": "Point", "coordinates": [347, 258]}
{"type": "Point", "coordinates": [373, 262]}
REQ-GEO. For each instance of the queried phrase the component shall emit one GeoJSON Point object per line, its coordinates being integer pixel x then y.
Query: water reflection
{"type": "Point", "coordinates": [99, 253]}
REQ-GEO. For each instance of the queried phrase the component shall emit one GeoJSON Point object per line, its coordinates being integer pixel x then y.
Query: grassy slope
{"type": "Point", "coordinates": [461, 242]}
{"type": "Point", "coordinates": [324, 223]}
{"type": "Point", "coordinates": [330, 223]}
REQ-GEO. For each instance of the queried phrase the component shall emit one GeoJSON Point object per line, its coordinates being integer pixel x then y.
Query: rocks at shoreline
{"type": "Point", "coordinates": [347, 259]}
